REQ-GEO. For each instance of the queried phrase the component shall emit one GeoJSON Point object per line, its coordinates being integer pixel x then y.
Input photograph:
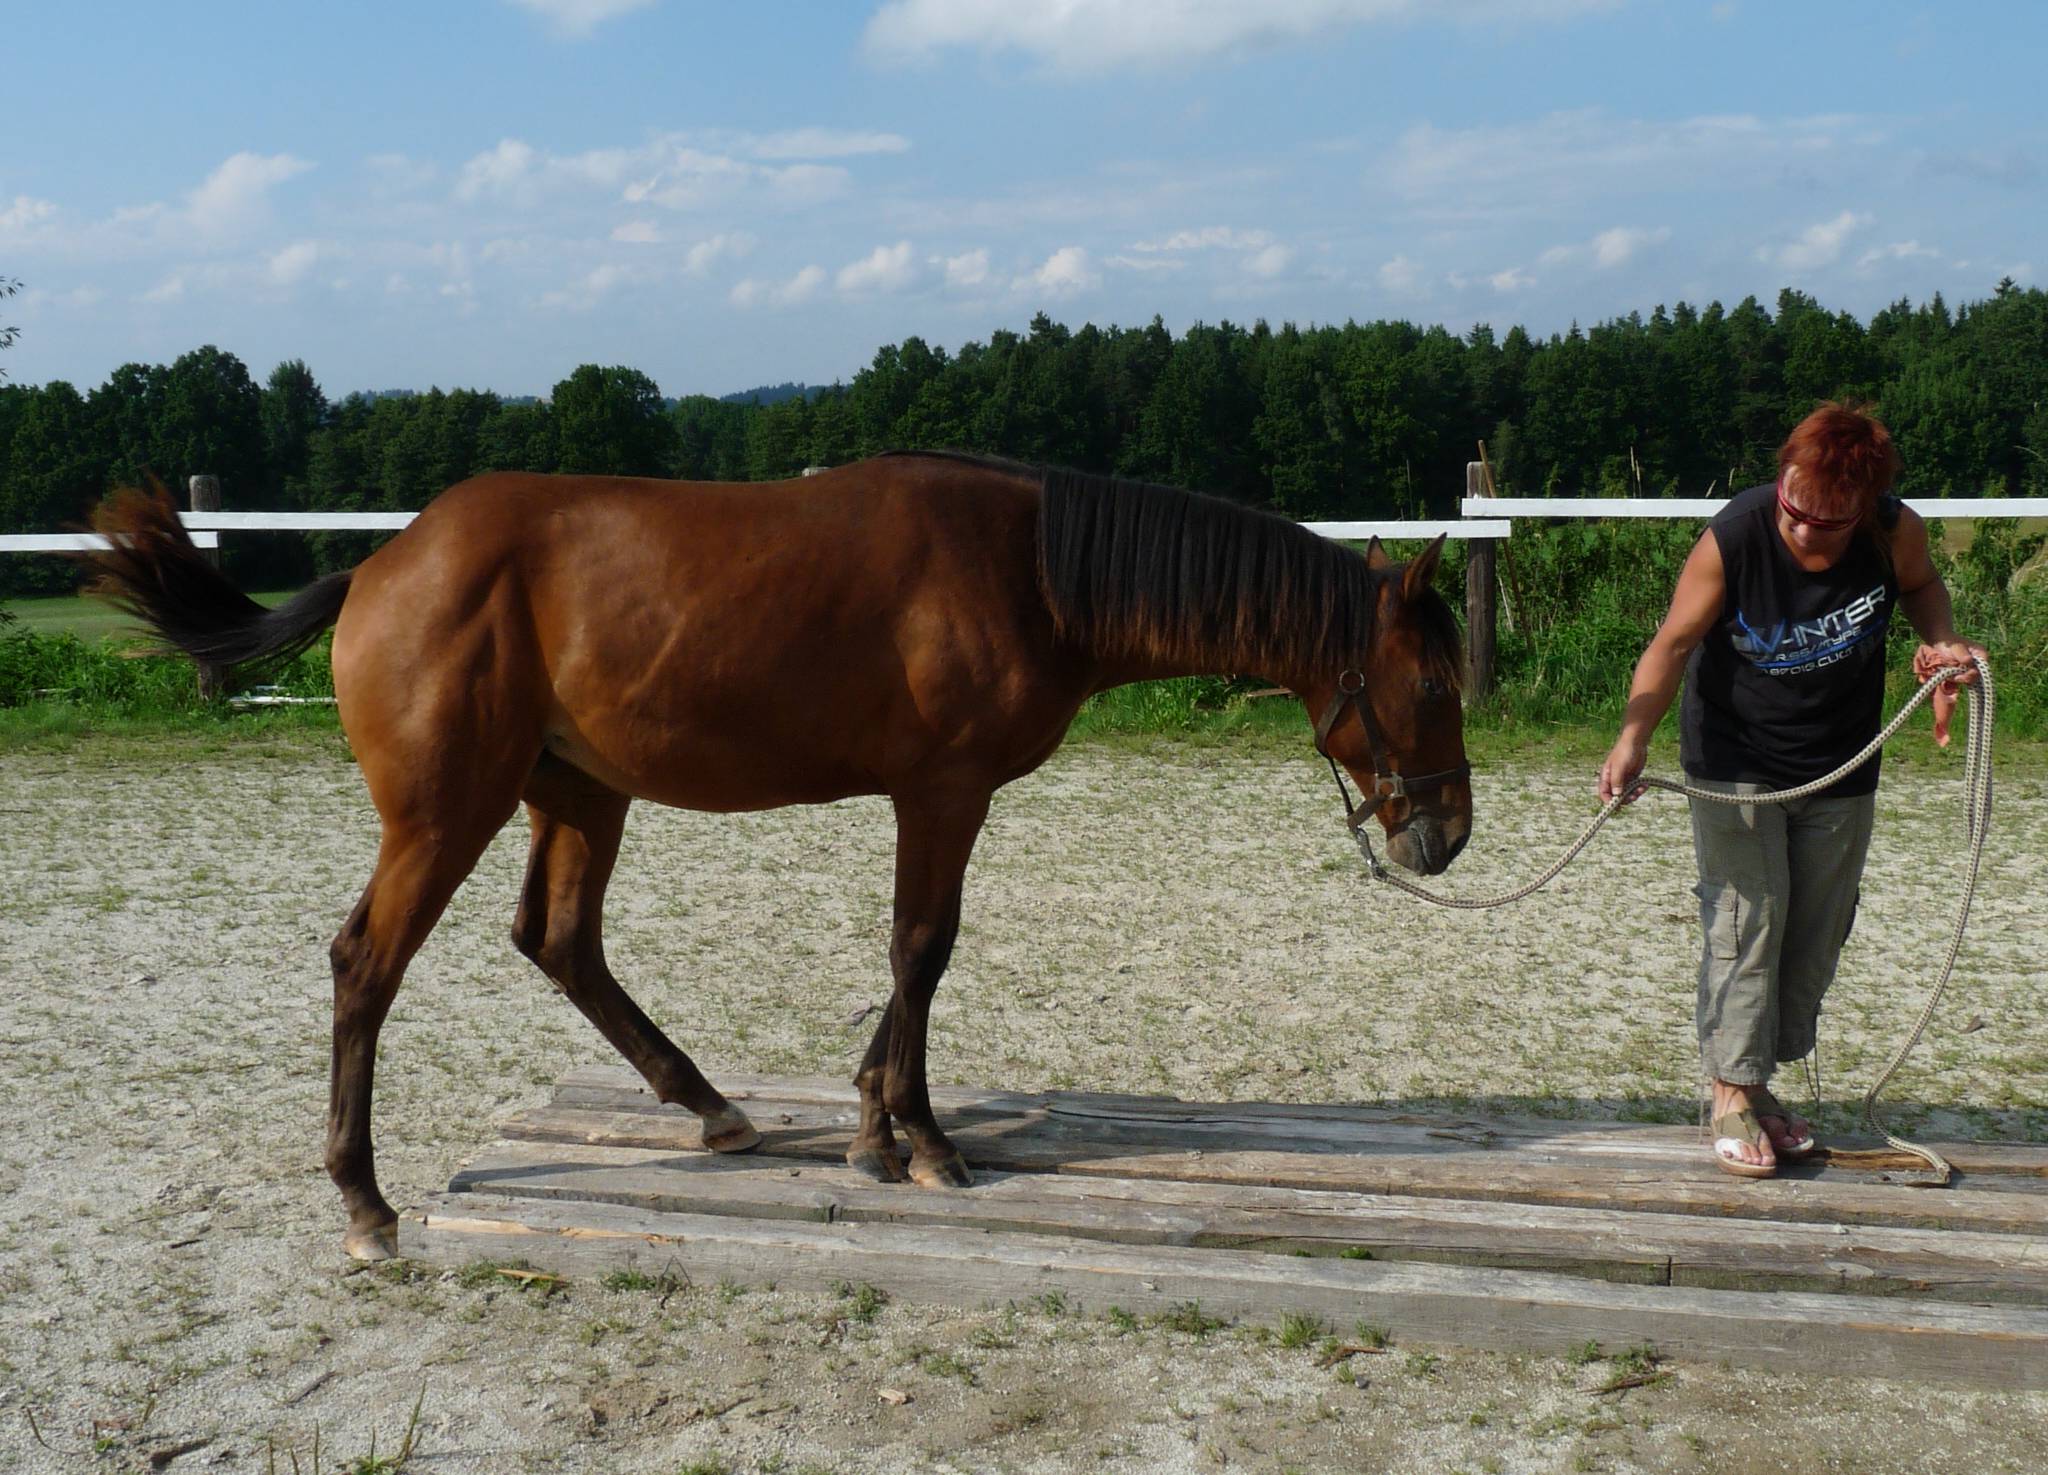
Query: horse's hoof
{"type": "Point", "coordinates": [883, 1167]}
{"type": "Point", "coordinates": [950, 1172]}
{"type": "Point", "coordinates": [379, 1242]}
{"type": "Point", "coordinates": [730, 1131]}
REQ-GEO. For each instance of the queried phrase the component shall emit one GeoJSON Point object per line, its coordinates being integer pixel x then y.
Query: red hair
{"type": "Point", "coordinates": [1846, 460]}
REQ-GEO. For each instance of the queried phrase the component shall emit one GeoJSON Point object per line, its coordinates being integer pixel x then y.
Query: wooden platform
{"type": "Point", "coordinates": [1483, 1232]}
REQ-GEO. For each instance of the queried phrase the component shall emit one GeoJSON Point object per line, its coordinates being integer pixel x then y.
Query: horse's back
{"type": "Point", "coordinates": [657, 632]}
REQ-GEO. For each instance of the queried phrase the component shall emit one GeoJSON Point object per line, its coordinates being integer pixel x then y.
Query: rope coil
{"type": "Point", "coordinates": [1976, 828]}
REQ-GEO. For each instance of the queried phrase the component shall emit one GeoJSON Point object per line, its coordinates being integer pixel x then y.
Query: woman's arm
{"type": "Point", "coordinates": [1695, 605]}
{"type": "Point", "coordinates": [1924, 598]}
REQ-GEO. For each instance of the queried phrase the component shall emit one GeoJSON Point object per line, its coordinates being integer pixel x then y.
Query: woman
{"type": "Point", "coordinates": [1778, 626]}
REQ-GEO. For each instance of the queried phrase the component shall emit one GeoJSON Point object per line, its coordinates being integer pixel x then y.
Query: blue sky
{"type": "Point", "coordinates": [489, 192]}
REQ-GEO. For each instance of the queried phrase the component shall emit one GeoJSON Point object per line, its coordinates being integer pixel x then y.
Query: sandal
{"type": "Point", "coordinates": [1733, 1130]}
{"type": "Point", "coordinates": [1767, 1106]}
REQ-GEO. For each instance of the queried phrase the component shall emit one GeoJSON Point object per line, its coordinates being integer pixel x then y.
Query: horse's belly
{"type": "Point", "coordinates": [710, 773]}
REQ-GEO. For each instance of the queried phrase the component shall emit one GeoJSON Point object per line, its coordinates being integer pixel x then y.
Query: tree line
{"type": "Point", "coordinates": [1358, 420]}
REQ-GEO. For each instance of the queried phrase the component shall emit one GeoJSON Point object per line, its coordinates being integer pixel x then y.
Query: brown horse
{"type": "Point", "coordinates": [923, 626]}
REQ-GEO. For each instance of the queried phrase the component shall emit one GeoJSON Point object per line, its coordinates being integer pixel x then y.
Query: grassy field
{"type": "Point", "coordinates": [88, 618]}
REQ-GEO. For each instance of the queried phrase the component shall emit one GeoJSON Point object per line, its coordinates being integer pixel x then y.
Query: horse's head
{"type": "Point", "coordinates": [1394, 722]}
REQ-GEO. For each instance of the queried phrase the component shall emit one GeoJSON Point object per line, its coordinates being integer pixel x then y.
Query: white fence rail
{"type": "Point", "coordinates": [1705, 507]}
{"type": "Point", "coordinates": [1467, 527]}
{"type": "Point", "coordinates": [206, 528]}
{"type": "Point", "coordinates": [298, 522]}
{"type": "Point", "coordinates": [77, 542]}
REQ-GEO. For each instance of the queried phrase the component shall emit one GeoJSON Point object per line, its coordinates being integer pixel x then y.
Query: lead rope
{"type": "Point", "coordinates": [1976, 827]}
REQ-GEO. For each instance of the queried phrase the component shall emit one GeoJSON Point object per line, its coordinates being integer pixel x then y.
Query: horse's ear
{"type": "Point", "coordinates": [1421, 569]}
{"type": "Point", "coordinates": [1376, 556]}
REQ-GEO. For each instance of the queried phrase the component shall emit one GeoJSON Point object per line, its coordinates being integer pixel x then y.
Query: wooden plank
{"type": "Point", "coordinates": [1168, 1123]}
{"type": "Point", "coordinates": [1496, 1309]}
{"type": "Point", "coordinates": [1642, 1248]}
{"type": "Point", "coordinates": [1689, 1185]}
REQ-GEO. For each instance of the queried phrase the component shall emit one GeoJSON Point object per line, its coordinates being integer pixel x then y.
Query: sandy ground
{"type": "Point", "coordinates": [1183, 921]}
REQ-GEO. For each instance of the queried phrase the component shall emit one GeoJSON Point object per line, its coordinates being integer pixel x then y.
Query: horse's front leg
{"type": "Point", "coordinates": [934, 837]}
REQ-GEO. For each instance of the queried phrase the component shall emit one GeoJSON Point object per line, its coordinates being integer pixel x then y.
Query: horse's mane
{"type": "Point", "coordinates": [1131, 569]}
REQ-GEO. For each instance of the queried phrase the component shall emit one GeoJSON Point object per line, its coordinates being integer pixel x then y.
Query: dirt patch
{"type": "Point", "coordinates": [1189, 923]}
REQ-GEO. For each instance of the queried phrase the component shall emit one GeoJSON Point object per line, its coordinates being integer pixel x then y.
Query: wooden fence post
{"type": "Point", "coordinates": [205, 492]}
{"type": "Point", "coordinates": [1481, 595]}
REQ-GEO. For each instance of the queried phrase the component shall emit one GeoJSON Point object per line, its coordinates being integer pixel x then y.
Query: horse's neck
{"type": "Point", "coordinates": [1124, 670]}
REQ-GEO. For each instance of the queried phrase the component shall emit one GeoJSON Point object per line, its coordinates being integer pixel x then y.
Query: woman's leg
{"type": "Point", "coordinates": [1826, 843]}
{"type": "Point", "coordinates": [1743, 866]}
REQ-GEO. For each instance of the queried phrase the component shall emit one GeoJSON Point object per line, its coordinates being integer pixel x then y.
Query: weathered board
{"type": "Point", "coordinates": [2000, 1188]}
{"type": "Point", "coordinates": [1479, 1231]}
{"type": "Point", "coordinates": [1645, 1249]}
{"type": "Point", "coordinates": [1463, 1305]}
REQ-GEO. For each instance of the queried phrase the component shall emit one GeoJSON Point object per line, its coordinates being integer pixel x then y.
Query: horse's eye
{"type": "Point", "coordinates": [1431, 687]}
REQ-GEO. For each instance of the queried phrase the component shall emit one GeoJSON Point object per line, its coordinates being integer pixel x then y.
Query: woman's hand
{"type": "Point", "coordinates": [1932, 657]}
{"type": "Point", "coordinates": [1624, 766]}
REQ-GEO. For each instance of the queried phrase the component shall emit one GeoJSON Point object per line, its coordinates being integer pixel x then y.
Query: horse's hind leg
{"type": "Point", "coordinates": [576, 827]}
{"type": "Point", "coordinates": [873, 1150]}
{"type": "Point", "coordinates": [418, 869]}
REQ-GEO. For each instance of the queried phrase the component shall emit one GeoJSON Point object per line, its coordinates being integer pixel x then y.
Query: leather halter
{"type": "Point", "coordinates": [1387, 784]}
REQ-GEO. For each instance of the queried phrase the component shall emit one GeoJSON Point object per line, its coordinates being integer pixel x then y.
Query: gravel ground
{"type": "Point", "coordinates": [1183, 921]}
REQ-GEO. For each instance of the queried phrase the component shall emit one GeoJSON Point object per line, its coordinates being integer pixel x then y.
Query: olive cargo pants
{"type": "Point", "coordinates": [1777, 890]}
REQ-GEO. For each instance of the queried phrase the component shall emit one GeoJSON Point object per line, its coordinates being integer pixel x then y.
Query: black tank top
{"type": "Point", "coordinates": [1789, 683]}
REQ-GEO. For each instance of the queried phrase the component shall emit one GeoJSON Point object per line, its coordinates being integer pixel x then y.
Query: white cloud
{"type": "Point", "coordinates": [680, 177]}
{"type": "Point", "coordinates": [1400, 275]}
{"type": "Point", "coordinates": [1146, 263]}
{"type": "Point", "coordinates": [236, 192]}
{"type": "Point", "coordinates": [1207, 238]}
{"type": "Point", "coordinates": [1897, 251]}
{"type": "Point", "coordinates": [518, 172]}
{"type": "Point", "coordinates": [968, 269]}
{"type": "Point", "coordinates": [824, 143]}
{"type": "Point", "coordinates": [580, 17]}
{"type": "Point", "coordinates": [1269, 262]}
{"type": "Point", "coordinates": [637, 233]}
{"type": "Point", "coordinates": [1614, 247]}
{"type": "Point", "coordinates": [496, 172]}
{"type": "Point", "coordinates": [885, 269]}
{"type": "Point", "coordinates": [24, 212]}
{"type": "Point", "coordinates": [1589, 155]}
{"type": "Point", "coordinates": [708, 252]}
{"type": "Point", "coordinates": [170, 289]}
{"type": "Point", "coordinates": [1817, 245]}
{"type": "Point", "coordinates": [684, 177]}
{"type": "Point", "coordinates": [292, 263]}
{"type": "Point", "coordinates": [1062, 274]}
{"type": "Point", "coordinates": [799, 288]}
{"type": "Point", "coordinates": [808, 184]}
{"type": "Point", "coordinates": [1511, 280]}
{"type": "Point", "coordinates": [1095, 35]}
{"type": "Point", "coordinates": [587, 290]}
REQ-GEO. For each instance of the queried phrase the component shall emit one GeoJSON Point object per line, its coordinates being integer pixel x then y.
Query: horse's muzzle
{"type": "Point", "coordinates": [1427, 845]}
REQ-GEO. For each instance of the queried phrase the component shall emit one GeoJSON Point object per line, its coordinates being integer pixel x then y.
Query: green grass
{"type": "Point", "coordinates": [92, 619]}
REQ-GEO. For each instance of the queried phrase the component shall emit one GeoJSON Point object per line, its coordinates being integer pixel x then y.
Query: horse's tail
{"type": "Point", "coordinates": [152, 570]}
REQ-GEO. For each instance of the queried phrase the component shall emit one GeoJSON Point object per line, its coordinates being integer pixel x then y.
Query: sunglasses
{"type": "Point", "coordinates": [1818, 524]}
